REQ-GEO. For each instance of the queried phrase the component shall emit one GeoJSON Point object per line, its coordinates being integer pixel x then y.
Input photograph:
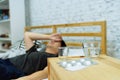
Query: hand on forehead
{"type": "Point", "coordinates": [56, 37]}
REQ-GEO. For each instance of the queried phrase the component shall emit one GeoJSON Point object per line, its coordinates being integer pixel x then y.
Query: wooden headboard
{"type": "Point", "coordinates": [56, 29]}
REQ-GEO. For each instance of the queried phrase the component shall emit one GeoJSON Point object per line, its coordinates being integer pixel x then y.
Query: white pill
{"type": "Point", "coordinates": [87, 62]}
{"type": "Point", "coordinates": [78, 63]}
{"type": "Point", "coordinates": [82, 60]}
{"type": "Point", "coordinates": [73, 62]}
{"type": "Point", "coordinates": [69, 65]}
{"type": "Point", "coordinates": [64, 63]}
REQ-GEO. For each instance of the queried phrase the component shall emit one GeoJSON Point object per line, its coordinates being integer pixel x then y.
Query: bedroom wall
{"type": "Point", "coordinates": [43, 12]}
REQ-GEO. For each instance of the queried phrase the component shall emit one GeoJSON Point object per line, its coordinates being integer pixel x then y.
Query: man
{"type": "Point", "coordinates": [32, 61]}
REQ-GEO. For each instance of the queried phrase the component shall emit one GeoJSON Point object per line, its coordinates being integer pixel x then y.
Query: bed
{"type": "Point", "coordinates": [75, 34]}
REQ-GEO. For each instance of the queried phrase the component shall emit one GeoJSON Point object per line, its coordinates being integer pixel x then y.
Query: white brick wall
{"type": "Point", "coordinates": [45, 12]}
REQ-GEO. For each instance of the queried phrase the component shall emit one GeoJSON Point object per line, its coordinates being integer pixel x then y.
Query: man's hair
{"type": "Point", "coordinates": [63, 43]}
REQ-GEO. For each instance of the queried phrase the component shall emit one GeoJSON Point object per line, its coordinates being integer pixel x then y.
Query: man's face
{"type": "Point", "coordinates": [52, 46]}
{"type": "Point", "coordinates": [55, 44]}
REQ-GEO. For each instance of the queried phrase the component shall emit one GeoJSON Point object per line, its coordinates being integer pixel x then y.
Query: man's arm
{"type": "Point", "coordinates": [30, 37]}
{"type": "Point", "coordinates": [39, 75]}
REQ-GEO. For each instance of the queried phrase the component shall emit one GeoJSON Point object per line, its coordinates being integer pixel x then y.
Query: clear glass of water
{"type": "Point", "coordinates": [91, 49]}
{"type": "Point", "coordinates": [63, 53]}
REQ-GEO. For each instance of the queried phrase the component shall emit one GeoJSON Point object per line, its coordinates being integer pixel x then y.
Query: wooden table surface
{"type": "Point", "coordinates": [108, 68]}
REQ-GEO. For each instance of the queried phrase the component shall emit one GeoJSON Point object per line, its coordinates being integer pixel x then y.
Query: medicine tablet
{"type": "Point", "coordinates": [78, 64]}
{"type": "Point", "coordinates": [82, 60]}
{"type": "Point", "coordinates": [73, 62]}
{"type": "Point", "coordinates": [69, 65]}
{"type": "Point", "coordinates": [87, 63]}
{"type": "Point", "coordinates": [63, 63]}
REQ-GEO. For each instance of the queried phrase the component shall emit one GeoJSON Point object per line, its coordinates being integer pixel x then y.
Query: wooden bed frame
{"type": "Point", "coordinates": [101, 33]}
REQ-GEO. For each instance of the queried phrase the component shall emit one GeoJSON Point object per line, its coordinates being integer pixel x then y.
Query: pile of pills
{"type": "Point", "coordinates": [78, 62]}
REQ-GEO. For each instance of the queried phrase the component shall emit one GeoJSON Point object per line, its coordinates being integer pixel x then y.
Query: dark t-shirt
{"type": "Point", "coordinates": [32, 61]}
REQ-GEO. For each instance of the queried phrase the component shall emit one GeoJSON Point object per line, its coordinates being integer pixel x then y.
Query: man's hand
{"type": "Point", "coordinates": [55, 37]}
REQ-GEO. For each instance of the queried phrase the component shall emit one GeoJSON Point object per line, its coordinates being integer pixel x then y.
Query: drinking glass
{"type": "Point", "coordinates": [63, 53]}
{"type": "Point", "coordinates": [92, 49]}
